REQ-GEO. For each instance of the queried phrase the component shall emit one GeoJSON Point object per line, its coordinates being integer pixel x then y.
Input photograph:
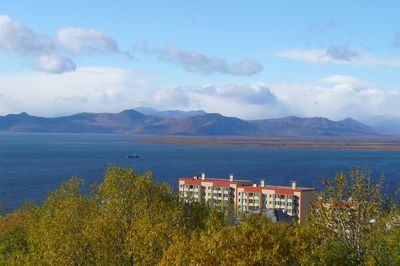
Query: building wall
{"type": "Point", "coordinates": [307, 198]}
{"type": "Point", "coordinates": [247, 197]}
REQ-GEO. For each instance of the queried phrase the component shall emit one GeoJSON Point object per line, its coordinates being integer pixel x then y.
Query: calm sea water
{"type": "Point", "coordinates": [31, 165]}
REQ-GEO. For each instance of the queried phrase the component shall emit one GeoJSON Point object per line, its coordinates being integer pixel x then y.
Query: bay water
{"type": "Point", "coordinates": [32, 164]}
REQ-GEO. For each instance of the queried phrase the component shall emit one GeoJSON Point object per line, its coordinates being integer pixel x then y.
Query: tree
{"type": "Point", "coordinates": [343, 214]}
{"type": "Point", "coordinates": [136, 219]}
{"type": "Point", "coordinates": [129, 219]}
{"type": "Point", "coordinates": [257, 241]}
{"type": "Point", "coordinates": [384, 240]}
{"type": "Point", "coordinates": [55, 229]}
{"type": "Point", "coordinates": [13, 238]}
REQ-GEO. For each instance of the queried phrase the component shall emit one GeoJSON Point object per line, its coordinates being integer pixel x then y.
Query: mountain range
{"type": "Point", "coordinates": [387, 124]}
{"type": "Point", "coordinates": [175, 122]}
{"type": "Point", "coordinates": [169, 113]}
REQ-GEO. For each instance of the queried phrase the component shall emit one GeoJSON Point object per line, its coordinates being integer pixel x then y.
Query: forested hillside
{"type": "Point", "coordinates": [130, 220]}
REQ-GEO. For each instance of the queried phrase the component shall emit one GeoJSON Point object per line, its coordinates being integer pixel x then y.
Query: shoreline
{"type": "Point", "coordinates": [378, 144]}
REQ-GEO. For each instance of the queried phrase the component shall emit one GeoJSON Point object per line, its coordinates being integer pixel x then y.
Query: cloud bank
{"type": "Point", "coordinates": [91, 89]}
{"type": "Point", "coordinates": [197, 62]}
{"type": "Point", "coordinates": [334, 97]}
{"type": "Point", "coordinates": [99, 89]}
{"type": "Point", "coordinates": [52, 55]}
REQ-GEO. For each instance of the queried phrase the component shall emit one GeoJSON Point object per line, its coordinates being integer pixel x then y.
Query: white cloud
{"type": "Point", "coordinates": [168, 97]}
{"type": "Point", "coordinates": [80, 41]}
{"type": "Point", "coordinates": [243, 100]}
{"type": "Point", "coordinates": [337, 97]}
{"type": "Point", "coordinates": [17, 38]}
{"type": "Point", "coordinates": [338, 55]}
{"type": "Point", "coordinates": [334, 97]}
{"type": "Point", "coordinates": [92, 89]}
{"type": "Point", "coordinates": [53, 63]}
{"type": "Point", "coordinates": [98, 89]}
{"type": "Point", "coordinates": [196, 62]}
{"type": "Point", "coordinates": [53, 55]}
{"type": "Point", "coordinates": [40, 50]}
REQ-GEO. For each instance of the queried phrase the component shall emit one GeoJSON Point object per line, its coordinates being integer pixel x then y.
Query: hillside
{"type": "Point", "coordinates": [315, 126]}
{"type": "Point", "coordinates": [132, 121]}
{"type": "Point", "coordinates": [385, 124]}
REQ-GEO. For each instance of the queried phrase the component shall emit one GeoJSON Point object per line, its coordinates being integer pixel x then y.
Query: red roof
{"type": "Point", "coordinates": [227, 183]}
{"type": "Point", "coordinates": [219, 183]}
{"type": "Point", "coordinates": [251, 189]}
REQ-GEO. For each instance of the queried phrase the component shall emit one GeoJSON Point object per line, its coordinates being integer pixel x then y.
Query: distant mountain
{"type": "Point", "coordinates": [132, 121]}
{"type": "Point", "coordinates": [385, 124]}
{"type": "Point", "coordinates": [208, 124]}
{"type": "Point", "coordinates": [293, 126]}
{"type": "Point", "coordinates": [79, 123]}
{"type": "Point", "coordinates": [177, 114]}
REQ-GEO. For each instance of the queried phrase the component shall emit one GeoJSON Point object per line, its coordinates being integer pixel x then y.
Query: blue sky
{"type": "Point", "coordinates": [249, 59]}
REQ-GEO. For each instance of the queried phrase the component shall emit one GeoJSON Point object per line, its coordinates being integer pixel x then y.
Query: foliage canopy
{"type": "Point", "coordinates": [129, 219]}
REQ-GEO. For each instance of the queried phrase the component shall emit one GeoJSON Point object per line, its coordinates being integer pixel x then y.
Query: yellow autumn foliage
{"type": "Point", "coordinates": [129, 219]}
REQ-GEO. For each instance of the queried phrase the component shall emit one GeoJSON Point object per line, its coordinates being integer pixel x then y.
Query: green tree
{"type": "Point", "coordinates": [55, 228]}
{"type": "Point", "coordinates": [257, 241]}
{"type": "Point", "coordinates": [384, 240]}
{"type": "Point", "coordinates": [343, 214]}
{"type": "Point", "coordinates": [136, 219]}
{"type": "Point", "coordinates": [13, 238]}
{"type": "Point", "coordinates": [129, 219]}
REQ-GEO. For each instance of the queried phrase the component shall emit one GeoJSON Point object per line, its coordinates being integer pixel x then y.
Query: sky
{"type": "Point", "coordinates": [249, 59]}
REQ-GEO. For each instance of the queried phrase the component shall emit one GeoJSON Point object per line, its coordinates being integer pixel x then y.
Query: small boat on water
{"type": "Point", "coordinates": [132, 156]}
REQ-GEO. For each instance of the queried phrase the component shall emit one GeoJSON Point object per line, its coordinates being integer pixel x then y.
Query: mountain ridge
{"type": "Point", "coordinates": [194, 123]}
{"type": "Point", "coordinates": [385, 124]}
{"type": "Point", "coordinates": [178, 114]}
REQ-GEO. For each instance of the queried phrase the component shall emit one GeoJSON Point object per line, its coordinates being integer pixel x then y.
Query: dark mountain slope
{"type": "Point", "coordinates": [131, 121]}
{"type": "Point", "coordinates": [208, 124]}
{"type": "Point", "coordinates": [79, 123]}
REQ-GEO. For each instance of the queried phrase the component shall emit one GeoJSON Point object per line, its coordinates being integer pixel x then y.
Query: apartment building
{"type": "Point", "coordinates": [246, 196]}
